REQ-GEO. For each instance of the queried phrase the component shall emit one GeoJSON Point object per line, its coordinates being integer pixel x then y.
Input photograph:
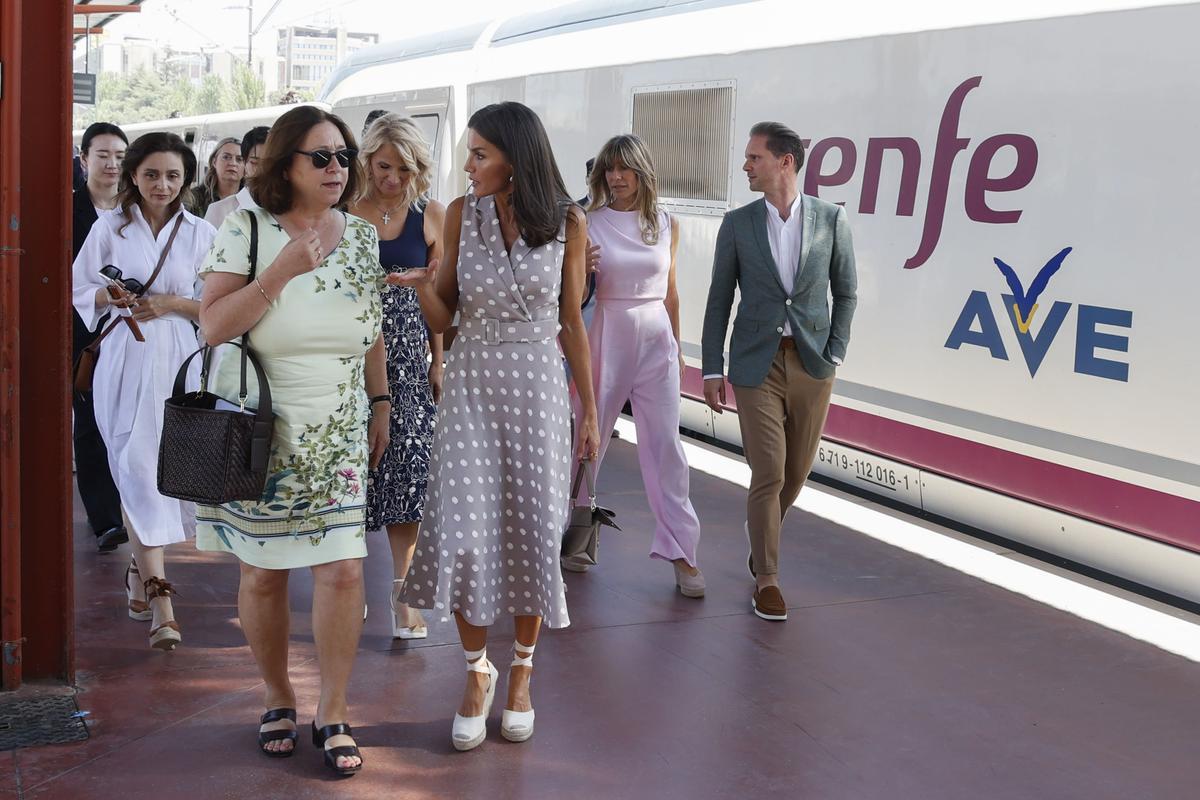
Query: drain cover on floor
{"type": "Point", "coordinates": [41, 720]}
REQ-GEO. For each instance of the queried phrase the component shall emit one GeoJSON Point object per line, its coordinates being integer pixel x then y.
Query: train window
{"type": "Point", "coordinates": [428, 123]}
{"type": "Point", "coordinates": [688, 128]}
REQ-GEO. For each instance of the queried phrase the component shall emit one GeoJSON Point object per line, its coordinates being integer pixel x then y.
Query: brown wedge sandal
{"type": "Point", "coordinates": [166, 636]}
{"type": "Point", "coordinates": [138, 609]}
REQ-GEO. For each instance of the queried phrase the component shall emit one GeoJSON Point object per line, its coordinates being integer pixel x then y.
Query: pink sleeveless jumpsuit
{"type": "Point", "coordinates": [635, 358]}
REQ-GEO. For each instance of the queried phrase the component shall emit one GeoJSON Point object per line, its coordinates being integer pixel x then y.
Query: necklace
{"type": "Point", "coordinates": [387, 212]}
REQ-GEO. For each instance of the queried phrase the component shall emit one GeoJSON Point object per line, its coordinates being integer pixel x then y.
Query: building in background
{"type": "Point", "coordinates": [308, 55]}
{"type": "Point", "coordinates": [128, 55]}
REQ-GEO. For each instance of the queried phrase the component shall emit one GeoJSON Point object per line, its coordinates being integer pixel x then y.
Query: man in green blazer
{"type": "Point", "coordinates": [788, 253]}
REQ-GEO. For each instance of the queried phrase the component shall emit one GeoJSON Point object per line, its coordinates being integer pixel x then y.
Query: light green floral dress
{"type": "Point", "coordinates": [312, 344]}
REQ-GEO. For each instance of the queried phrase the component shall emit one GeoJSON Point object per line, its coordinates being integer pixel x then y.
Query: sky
{"type": "Point", "coordinates": [196, 24]}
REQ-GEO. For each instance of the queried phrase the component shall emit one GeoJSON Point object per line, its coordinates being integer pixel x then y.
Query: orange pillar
{"type": "Point", "coordinates": [36, 439]}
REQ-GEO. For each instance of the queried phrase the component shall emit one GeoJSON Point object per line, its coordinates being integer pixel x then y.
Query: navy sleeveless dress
{"type": "Point", "coordinates": [396, 489]}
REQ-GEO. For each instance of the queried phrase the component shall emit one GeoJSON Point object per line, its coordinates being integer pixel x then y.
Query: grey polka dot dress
{"type": "Point", "coordinates": [501, 461]}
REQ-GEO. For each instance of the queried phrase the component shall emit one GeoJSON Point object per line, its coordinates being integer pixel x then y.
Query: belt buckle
{"type": "Point", "coordinates": [491, 331]}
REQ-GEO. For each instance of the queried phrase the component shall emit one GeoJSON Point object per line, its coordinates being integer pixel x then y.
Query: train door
{"type": "Point", "coordinates": [426, 107]}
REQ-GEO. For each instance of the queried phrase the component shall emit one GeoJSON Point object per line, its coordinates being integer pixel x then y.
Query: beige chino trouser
{"type": "Point", "coordinates": [781, 421]}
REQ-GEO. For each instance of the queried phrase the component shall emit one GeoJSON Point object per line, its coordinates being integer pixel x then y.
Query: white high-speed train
{"type": "Point", "coordinates": [1023, 357]}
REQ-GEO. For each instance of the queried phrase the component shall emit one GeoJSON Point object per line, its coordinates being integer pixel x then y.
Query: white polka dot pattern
{"type": "Point", "coordinates": [501, 461]}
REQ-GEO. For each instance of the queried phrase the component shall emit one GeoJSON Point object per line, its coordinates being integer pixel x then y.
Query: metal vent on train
{"type": "Point", "coordinates": [688, 129]}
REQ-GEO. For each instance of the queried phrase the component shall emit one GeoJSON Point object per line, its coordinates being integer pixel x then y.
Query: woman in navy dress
{"type": "Point", "coordinates": [399, 167]}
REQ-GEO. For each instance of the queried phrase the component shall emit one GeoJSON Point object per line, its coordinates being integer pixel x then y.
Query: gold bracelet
{"type": "Point", "coordinates": [263, 292]}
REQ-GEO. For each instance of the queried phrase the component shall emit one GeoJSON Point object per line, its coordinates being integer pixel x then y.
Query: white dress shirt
{"type": "Point", "coordinates": [785, 238]}
{"type": "Point", "coordinates": [218, 211]}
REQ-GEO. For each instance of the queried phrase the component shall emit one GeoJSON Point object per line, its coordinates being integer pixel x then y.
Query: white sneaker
{"type": "Point", "coordinates": [469, 732]}
{"type": "Point", "coordinates": [517, 726]}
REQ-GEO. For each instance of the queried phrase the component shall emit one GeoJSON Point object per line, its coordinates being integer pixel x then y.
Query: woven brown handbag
{"type": "Point", "coordinates": [581, 540]}
{"type": "Point", "coordinates": [210, 455]}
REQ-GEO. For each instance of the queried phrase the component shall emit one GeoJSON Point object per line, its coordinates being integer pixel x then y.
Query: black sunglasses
{"type": "Point", "coordinates": [321, 158]}
{"type": "Point", "coordinates": [132, 285]}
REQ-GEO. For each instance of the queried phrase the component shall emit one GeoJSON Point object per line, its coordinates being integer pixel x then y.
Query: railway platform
{"type": "Point", "coordinates": [895, 677]}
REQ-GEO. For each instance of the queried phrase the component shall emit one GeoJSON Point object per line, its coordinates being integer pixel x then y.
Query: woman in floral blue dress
{"type": "Point", "coordinates": [399, 171]}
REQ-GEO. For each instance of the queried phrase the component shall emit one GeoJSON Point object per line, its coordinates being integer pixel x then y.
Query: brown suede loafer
{"type": "Point", "coordinates": [768, 604]}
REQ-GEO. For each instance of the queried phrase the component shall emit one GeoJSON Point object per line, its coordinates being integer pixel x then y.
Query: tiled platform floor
{"type": "Point", "coordinates": [895, 678]}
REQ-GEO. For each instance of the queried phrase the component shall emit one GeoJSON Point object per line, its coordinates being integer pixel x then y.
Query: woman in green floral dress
{"type": "Point", "coordinates": [313, 313]}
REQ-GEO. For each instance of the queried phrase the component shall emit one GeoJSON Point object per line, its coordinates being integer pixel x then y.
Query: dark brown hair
{"type": "Point", "coordinates": [269, 187]}
{"type": "Point", "coordinates": [143, 147]}
{"type": "Point", "coordinates": [781, 141]}
{"type": "Point", "coordinates": [540, 199]}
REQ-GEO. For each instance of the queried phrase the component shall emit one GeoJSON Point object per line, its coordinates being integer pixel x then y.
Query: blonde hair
{"type": "Point", "coordinates": [414, 153]}
{"type": "Point", "coordinates": [210, 175]}
{"type": "Point", "coordinates": [631, 152]}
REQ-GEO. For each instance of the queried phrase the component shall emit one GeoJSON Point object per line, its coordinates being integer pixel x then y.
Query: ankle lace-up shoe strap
{"type": "Point", "coordinates": [157, 587]}
{"type": "Point", "coordinates": [477, 661]}
{"type": "Point", "coordinates": [522, 655]}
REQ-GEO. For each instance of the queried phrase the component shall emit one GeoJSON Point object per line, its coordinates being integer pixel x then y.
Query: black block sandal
{"type": "Point", "coordinates": [266, 737]}
{"type": "Point", "coordinates": [332, 754]}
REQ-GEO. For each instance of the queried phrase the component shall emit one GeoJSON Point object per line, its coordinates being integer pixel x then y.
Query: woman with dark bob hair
{"type": "Point", "coordinates": [132, 379]}
{"type": "Point", "coordinates": [102, 149]}
{"type": "Point", "coordinates": [313, 314]}
{"type": "Point", "coordinates": [501, 463]}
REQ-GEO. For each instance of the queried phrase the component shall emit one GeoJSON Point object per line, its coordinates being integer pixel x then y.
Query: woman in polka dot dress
{"type": "Point", "coordinates": [501, 461]}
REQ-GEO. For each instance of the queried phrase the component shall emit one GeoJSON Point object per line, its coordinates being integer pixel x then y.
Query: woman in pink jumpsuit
{"type": "Point", "coordinates": [634, 339]}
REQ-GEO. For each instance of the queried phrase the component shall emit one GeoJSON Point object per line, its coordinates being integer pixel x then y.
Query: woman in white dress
{"type": "Point", "coordinates": [132, 378]}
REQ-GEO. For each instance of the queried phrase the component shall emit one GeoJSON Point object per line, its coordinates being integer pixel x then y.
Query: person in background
{"type": "Point", "coordinates": [313, 315]}
{"type": "Point", "coordinates": [78, 170]}
{"type": "Point", "coordinates": [634, 339]}
{"type": "Point", "coordinates": [499, 493]}
{"type": "Point", "coordinates": [223, 178]}
{"type": "Point", "coordinates": [372, 115]}
{"type": "Point", "coordinates": [787, 253]}
{"type": "Point", "coordinates": [252, 146]}
{"type": "Point", "coordinates": [102, 148]}
{"type": "Point", "coordinates": [133, 379]}
{"type": "Point", "coordinates": [394, 198]}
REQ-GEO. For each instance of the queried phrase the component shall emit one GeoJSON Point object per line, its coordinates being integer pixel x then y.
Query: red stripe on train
{"type": "Point", "coordinates": [1137, 509]}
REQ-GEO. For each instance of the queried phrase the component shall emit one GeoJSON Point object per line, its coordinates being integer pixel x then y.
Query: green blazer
{"type": "Point", "coordinates": [743, 261]}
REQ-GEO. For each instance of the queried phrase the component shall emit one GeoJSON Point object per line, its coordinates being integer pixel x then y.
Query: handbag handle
{"type": "Point", "coordinates": [264, 389]}
{"type": "Point", "coordinates": [585, 466]}
{"type": "Point", "coordinates": [263, 418]}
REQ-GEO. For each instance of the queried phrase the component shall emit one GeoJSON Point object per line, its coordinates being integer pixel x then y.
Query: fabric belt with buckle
{"type": "Point", "coordinates": [494, 331]}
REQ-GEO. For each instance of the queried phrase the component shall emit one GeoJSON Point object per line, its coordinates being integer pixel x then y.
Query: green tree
{"type": "Point", "coordinates": [212, 97]}
{"type": "Point", "coordinates": [181, 98]}
{"type": "Point", "coordinates": [248, 90]}
{"type": "Point", "coordinates": [125, 99]}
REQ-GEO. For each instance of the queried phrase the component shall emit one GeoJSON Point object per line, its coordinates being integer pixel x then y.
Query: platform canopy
{"type": "Point", "coordinates": [92, 15]}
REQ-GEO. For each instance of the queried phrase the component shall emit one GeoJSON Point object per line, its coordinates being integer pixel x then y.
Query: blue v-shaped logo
{"type": "Point", "coordinates": [1025, 301]}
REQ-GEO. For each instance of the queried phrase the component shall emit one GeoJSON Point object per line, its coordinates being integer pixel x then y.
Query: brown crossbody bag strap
{"type": "Point", "coordinates": [85, 367]}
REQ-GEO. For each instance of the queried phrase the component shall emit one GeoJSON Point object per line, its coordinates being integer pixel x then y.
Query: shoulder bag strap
{"type": "Point", "coordinates": [162, 259]}
{"type": "Point", "coordinates": [246, 336]}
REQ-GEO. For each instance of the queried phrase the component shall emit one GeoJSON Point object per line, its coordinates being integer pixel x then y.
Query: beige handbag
{"type": "Point", "coordinates": [582, 537]}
